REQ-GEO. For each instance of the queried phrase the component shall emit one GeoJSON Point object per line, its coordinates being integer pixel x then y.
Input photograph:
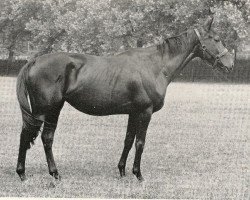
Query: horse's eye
{"type": "Point", "coordinates": [216, 38]}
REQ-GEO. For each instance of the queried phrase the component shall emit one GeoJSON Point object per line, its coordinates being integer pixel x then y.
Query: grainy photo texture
{"type": "Point", "coordinates": [125, 99]}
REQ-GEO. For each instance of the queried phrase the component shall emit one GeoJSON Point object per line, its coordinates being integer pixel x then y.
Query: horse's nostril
{"type": "Point", "coordinates": [231, 68]}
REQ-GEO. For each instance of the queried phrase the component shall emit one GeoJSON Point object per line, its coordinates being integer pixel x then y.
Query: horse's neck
{"type": "Point", "coordinates": [174, 63]}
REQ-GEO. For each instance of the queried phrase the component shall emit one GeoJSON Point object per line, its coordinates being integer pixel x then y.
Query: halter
{"type": "Point", "coordinates": [204, 49]}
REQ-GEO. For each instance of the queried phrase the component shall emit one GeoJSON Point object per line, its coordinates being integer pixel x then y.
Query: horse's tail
{"type": "Point", "coordinates": [31, 125]}
{"type": "Point", "coordinates": [21, 88]}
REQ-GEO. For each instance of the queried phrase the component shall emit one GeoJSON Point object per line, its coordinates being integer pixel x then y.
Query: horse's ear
{"type": "Point", "coordinates": [208, 23]}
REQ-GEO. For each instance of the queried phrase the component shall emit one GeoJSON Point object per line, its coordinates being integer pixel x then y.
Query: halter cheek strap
{"type": "Point", "coordinates": [204, 49]}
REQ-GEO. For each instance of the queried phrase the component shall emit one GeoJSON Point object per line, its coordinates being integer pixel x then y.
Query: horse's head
{"type": "Point", "coordinates": [212, 49]}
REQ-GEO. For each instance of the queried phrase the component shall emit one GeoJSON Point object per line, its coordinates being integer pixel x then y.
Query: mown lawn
{"type": "Point", "coordinates": [197, 147]}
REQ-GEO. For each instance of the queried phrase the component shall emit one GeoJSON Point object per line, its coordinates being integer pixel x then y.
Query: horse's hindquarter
{"type": "Point", "coordinates": [46, 77]}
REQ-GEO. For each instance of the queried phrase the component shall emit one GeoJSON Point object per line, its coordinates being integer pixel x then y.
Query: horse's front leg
{"type": "Point", "coordinates": [142, 120]}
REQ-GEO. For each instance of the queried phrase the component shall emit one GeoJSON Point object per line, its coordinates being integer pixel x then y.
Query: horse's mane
{"type": "Point", "coordinates": [176, 44]}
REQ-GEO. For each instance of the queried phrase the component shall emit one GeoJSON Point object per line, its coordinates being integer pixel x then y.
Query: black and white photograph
{"type": "Point", "coordinates": [125, 99]}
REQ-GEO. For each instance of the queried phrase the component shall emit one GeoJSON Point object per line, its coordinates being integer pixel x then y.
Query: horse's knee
{"type": "Point", "coordinates": [47, 138]}
{"type": "Point", "coordinates": [47, 142]}
{"type": "Point", "coordinates": [128, 142]}
{"type": "Point", "coordinates": [139, 145]}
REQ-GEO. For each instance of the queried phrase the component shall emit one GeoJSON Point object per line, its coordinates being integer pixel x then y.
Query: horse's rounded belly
{"type": "Point", "coordinates": [98, 103]}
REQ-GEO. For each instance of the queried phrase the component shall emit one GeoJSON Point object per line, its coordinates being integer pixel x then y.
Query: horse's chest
{"type": "Point", "coordinates": [161, 86]}
{"type": "Point", "coordinates": [160, 93]}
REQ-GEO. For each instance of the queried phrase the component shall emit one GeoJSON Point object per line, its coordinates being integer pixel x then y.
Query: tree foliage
{"type": "Point", "coordinates": [106, 26]}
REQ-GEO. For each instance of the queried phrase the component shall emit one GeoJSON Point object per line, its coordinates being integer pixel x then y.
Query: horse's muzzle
{"type": "Point", "coordinates": [231, 62]}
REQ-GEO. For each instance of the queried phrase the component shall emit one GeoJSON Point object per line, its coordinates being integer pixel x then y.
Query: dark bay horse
{"type": "Point", "coordinates": [133, 83]}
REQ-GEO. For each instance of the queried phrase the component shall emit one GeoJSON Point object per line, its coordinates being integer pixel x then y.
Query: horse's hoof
{"type": "Point", "coordinates": [140, 179]}
{"type": "Point", "coordinates": [122, 172]}
{"type": "Point", "coordinates": [52, 185]}
{"type": "Point", "coordinates": [138, 175]}
{"type": "Point", "coordinates": [22, 177]}
{"type": "Point", "coordinates": [55, 175]}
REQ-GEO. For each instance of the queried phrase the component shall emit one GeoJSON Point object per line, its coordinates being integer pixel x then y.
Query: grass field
{"type": "Point", "coordinates": [197, 147]}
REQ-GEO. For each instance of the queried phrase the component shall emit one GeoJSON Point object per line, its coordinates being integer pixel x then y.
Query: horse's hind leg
{"type": "Point", "coordinates": [128, 143]}
{"type": "Point", "coordinates": [143, 120]}
{"type": "Point", "coordinates": [47, 139]}
{"type": "Point", "coordinates": [28, 134]}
